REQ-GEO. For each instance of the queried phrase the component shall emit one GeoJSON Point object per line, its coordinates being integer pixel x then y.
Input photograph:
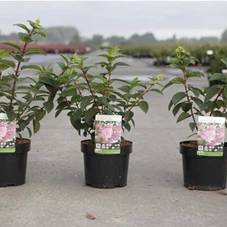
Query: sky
{"type": "Point", "coordinates": [123, 18]}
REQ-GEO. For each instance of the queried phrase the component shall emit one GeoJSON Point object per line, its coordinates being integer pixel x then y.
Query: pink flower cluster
{"type": "Point", "coordinates": [211, 134]}
{"type": "Point", "coordinates": [108, 133]}
{"type": "Point", "coordinates": [7, 131]}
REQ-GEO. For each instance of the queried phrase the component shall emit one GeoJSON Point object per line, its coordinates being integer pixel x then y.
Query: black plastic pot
{"type": "Point", "coordinates": [13, 165]}
{"type": "Point", "coordinates": [105, 170]}
{"type": "Point", "coordinates": [201, 172]}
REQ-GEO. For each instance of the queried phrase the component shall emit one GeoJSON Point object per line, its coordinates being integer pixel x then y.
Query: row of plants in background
{"type": "Point", "coordinates": [162, 52]}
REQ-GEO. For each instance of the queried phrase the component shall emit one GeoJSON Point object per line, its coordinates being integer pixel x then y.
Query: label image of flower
{"type": "Point", "coordinates": [7, 132]}
{"type": "Point", "coordinates": [106, 132]}
{"type": "Point", "coordinates": [3, 130]}
{"type": "Point", "coordinates": [211, 134]}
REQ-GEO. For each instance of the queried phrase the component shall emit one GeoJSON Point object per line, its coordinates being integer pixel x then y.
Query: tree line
{"type": "Point", "coordinates": [70, 35]}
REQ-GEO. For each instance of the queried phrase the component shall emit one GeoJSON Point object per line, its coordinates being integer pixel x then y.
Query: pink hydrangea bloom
{"type": "Point", "coordinates": [116, 135]}
{"type": "Point", "coordinates": [220, 135]}
{"type": "Point", "coordinates": [98, 126]}
{"type": "Point", "coordinates": [209, 134]}
{"type": "Point", "coordinates": [106, 132]}
{"type": "Point", "coordinates": [3, 129]}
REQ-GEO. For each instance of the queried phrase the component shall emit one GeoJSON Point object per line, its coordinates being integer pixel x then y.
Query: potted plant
{"type": "Point", "coordinates": [201, 170]}
{"type": "Point", "coordinates": [87, 91]}
{"type": "Point", "coordinates": [23, 103]}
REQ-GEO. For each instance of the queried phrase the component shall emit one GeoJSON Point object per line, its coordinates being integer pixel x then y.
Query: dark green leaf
{"type": "Point", "coordinates": [177, 108]}
{"type": "Point", "coordinates": [192, 126]}
{"type": "Point", "coordinates": [183, 116]}
{"type": "Point", "coordinates": [186, 106]}
{"type": "Point", "coordinates": [176, 80]}
{"type": "Point", "coordinates": [170, 104]}
{"type": "Point", "coordinates": [89, 114]}
{"type": "Point", "coordinates": [218, 76]}
{"type": "Point", "coordinates": [86, 101]}
{"type": "Point", "coordinates": [36, 126]}
{"type": "Point", "coordinates": [128, 116]}
{"type": "Point", "coordinates": [144, 106]}
{"type": "Point", "coordinates": [178, 97]}
{"type": "Point", "coordinates": [48, 106]}
{"type": "Point", "coordinates": [40, 114]}
{"type": "Point", "coordinates": [211, 92]}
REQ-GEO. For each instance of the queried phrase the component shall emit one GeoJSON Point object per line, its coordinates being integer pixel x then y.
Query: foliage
{"type": "Point", "coordinates": [193, 100]}
{"type": "Point", "coordinates": [86, 90]}
{"type": "Point", "coordinates": [22, 98]}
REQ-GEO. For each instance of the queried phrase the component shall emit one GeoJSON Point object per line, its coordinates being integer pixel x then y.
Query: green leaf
{"type": "Point", "coordinates": [218, 76]}
{"type": "Point", "coordinates": [13, 45]}
{"type": "Point", "coordinates": [198, 101]}
{"type": "Point", "coordinates": [224, 60]}
{"type": "Point", "coordinates": [50, 81]}
{"type": "Point", "coordinates": [29, 131]}
{"type": "Point", "coordinates": [36, 67]}
{"type": "Point", "coordinates": [186, 106]}
{"type": "Point", "coordinates": [40, 114]}
{"type": "Point", "coordinates": [4, 53]}
{"type": "Point", "coordinates": [127, 126]}
{"type": "Point", "coordinates": [190, 73]}
{"type": "Point", "coordinates": [11, 115]}
{"type": "Point", "coordinates": [128, 116]}
{"type": "Point", "coordinates": [176, 80]}
{"type": "Point", "coordinates": [90, 113]}
{"type": "Point", "coordinates": [119, 64]}
{"type": "Point", "coordinates": [178, 97]}
{"type": "Point", "coordinates": [192, 126]}
{"type": "Point", "coordinates": [170, 104]}
{"type": "Point", "coordinates": [196, 91]}
{"type": "Point", "coordinates": [144, 106]}
{"type": "Point", "coordinates": [48, 106]}
{"type": "Point", "coordinates": [183, 116]}
{"type": "Point", "coordinates": [35, 50]}
{"type": "Point", "coordinates": [76, 115]}
{"type": "Point", "coordinates": [24, 37]}
{"type": "Point", "coordinates": [211, 92]}
{"type": "Point", "coordinates": [8, 63]}
{"type": "Point", "coordinates": [177, 108]}
{"type": "Point", "coordinates": [86, 101]}
{"type": "Point", "coordinates": [36, 126]}
{"type": "Point", "coordinates": [23, 26]}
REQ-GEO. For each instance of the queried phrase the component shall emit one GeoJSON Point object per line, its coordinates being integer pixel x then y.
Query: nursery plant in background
{"type": "Point", "coordinates": [23, 104]}
{"type": "Point", "coordinates": [202, 169]}
{"type": "Point", "coordinates": [86, 92]}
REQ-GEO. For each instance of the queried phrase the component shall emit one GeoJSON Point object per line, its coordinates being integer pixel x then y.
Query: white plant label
{"type": "Point", "coordinates": [108, 131]}
{"type": "Point", "coordinates": [211, 136]}
{"type": "Point", "coordinates": [7, 134]}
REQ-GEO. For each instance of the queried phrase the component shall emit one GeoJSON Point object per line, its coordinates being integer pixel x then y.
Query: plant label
{"type": "Point", "coordinates": [7, 134]}
{"type": "Point", "coordinates": [211, 136]}
{"type": "Point", "coordinates": [108, 132]}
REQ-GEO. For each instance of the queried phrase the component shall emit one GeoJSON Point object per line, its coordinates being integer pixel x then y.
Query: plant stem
{"type": "Point", "coordinates": [188, 99]}
{"type": "Point", "coordinates": [17, 71]}
{"type": "Point", "coordinates": [90, 89]}
{"type": "Point", "coordinates": [215, 100]}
